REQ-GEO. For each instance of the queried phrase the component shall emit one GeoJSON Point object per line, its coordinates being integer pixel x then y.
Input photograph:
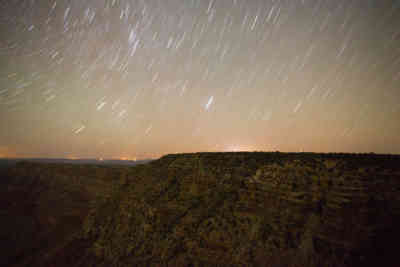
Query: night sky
{"type": "Point", "coordinates": [139, 79]}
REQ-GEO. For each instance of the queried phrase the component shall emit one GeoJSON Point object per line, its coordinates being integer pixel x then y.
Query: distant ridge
{"type": "Point", "coordinates": [78, 161]}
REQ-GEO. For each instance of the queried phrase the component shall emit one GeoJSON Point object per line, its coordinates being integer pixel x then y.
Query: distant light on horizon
{"type": "Point", "coordinates": [239, 148]}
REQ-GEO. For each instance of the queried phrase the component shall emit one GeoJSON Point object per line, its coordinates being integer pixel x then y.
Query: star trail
{"type": "Point", "coordinates": [139, 79]}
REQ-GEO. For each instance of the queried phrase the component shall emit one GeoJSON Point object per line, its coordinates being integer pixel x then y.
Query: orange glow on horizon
{"type": "Point", "coordinates": [127, 158]}
{"type": "Point", "coordinates": [239, 148]}
{"type": "Point", "coordinates": [6, 152]}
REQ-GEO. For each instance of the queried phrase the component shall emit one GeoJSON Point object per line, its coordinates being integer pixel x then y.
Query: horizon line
{"type": "Point", "coordinates": [177, 153]}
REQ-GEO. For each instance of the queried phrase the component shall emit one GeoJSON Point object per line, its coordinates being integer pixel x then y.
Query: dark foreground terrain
{"type": "Point", "coordinates": [204, 209]}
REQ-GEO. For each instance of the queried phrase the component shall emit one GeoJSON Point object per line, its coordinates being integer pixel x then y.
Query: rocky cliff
{"type": "Point", "coordinates": [242, 209]}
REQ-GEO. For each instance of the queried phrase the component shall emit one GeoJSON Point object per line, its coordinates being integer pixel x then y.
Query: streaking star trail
{"type": "Point", "coordinates": [138, 79]}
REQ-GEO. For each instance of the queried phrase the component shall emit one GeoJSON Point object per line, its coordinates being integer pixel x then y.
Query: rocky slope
{"type": "Point", "coordinates": [43, 207]}
{"type": "Point", "coordinates": [231, 209]}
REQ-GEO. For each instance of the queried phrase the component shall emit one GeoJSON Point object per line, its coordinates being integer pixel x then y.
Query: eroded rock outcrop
{"type": "Point", "coordinates": [206, 209]}
{"type": "Point", "coordinates": [251, 209]}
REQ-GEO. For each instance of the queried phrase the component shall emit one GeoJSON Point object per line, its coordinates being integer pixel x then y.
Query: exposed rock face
{"type": "Point", "coordinates": [43, 207]}
{"type": "Point", "coordinates": [250, 209]}
{"type": "Point", "coordinates": [241, 209]}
